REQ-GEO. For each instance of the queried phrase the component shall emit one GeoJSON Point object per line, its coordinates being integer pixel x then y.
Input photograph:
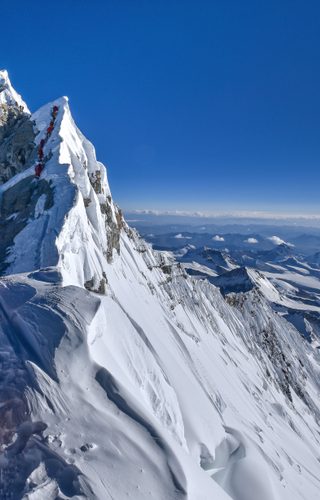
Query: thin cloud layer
{"type": "Point", "coordinates": [252, 214]}
{"type": "Point", "coordinates": [181, 237]}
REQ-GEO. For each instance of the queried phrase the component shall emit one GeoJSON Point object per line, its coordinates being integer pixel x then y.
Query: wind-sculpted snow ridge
{"type": "Point", "coordinates": [123, 377]}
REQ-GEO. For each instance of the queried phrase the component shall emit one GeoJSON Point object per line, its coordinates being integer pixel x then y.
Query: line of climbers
{"type": "Point", "coordinates": [41, 159]}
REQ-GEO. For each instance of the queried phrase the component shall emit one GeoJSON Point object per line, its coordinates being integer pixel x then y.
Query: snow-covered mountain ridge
{"type": "Point", "coordinates": [121, 376]}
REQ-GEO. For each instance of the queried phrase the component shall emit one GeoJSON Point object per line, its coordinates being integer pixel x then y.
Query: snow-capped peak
{"type": "Point", "coordinates": [8, 95]}
{"type": "Point", "coordinates": [244, 279]}
{"type": "Point", "coordinates": [72, 222]}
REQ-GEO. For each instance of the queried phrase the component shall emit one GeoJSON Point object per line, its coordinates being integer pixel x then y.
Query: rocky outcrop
{"type": "Point", "coordinates": [113, 224]}
{"type": "Point", "coordinates": [95, 179]}
{"type": "Point", "coordinates": [99, 288]}
{"type": "Point", "coordinates": [17, 149]}
{"type": "Point", "coordinates": [18, 205]}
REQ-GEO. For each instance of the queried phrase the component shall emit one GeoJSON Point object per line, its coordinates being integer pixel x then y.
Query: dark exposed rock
{"type": "Point", "coordinates": [17, 147]}
{"type": "Point", "coordinates": [273, 350]}
{"type": "Point", "coordinates": [166, 269]}
{"type": "Point", "coordinates": [17, 206]}
{"type": "Point", "coordinates": [90, 286]}
{"type": "Point", "coordinates": [95, 180]}
{"type": "Point", "coordinates": [102, 287]}
{"type": "Point", "coordinates": [114, 221]}
{"type": "Point", "coordinates": [86, 447]}
{"type": "Point", "coordinates": [113, 224]}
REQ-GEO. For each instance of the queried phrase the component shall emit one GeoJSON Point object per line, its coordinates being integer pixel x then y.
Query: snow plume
{"type": "Point", "coordinates": [278, 241]}
{"type": "Point", "coordinates": [218, 238]}
{"type": "Point", "coordinates": [252, 241]}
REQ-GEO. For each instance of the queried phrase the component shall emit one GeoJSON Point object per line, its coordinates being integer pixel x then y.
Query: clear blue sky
{"type": "Point", "coordinates": [203, 104]}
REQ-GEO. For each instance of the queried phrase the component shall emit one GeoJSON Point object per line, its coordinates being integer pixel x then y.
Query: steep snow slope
{"type": "Point", "coordinates": [122, 377]}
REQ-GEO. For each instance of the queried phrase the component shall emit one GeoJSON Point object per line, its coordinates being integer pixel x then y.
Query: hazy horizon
{"type": "Point", "coordinates": [197, 219]}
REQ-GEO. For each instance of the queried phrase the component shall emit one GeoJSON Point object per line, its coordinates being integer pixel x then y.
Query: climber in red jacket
{"type": "Point", "coordinates": [40, 153]}
{"type": "Point", "coordinates": [50, 128]}
{"type": "Point", "coordinates": [54, 111]}
{"type": "Point", "coordinates": [38, 169]}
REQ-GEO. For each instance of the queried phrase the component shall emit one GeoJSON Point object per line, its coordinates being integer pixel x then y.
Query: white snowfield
{"type": "Point", "coordinates": [145, 383]}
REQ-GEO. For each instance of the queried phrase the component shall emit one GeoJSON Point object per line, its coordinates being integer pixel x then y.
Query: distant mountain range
{"type": "Point", "coordinates": [293, 276]}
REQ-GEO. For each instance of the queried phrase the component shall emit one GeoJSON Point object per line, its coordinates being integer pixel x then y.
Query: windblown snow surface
{"type": "Point", "coordinates": [121, 376]}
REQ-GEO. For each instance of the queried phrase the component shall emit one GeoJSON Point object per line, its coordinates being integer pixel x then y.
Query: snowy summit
{"type": "Point", "coordinates": [122, 376]}
{"type": "Point", "coordinates": [8, 95]}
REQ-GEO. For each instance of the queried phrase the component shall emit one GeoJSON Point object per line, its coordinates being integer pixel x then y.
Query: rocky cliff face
{"type": "Point", "coordinates": [123, 377]}
{"type": "Point", "coordinates": [17, 150]}
{"type": "Point", "coordinates": [17, 134]}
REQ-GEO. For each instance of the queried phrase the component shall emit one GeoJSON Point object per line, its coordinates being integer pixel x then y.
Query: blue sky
{"type": "Point", "coordinates": [193, 105]}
